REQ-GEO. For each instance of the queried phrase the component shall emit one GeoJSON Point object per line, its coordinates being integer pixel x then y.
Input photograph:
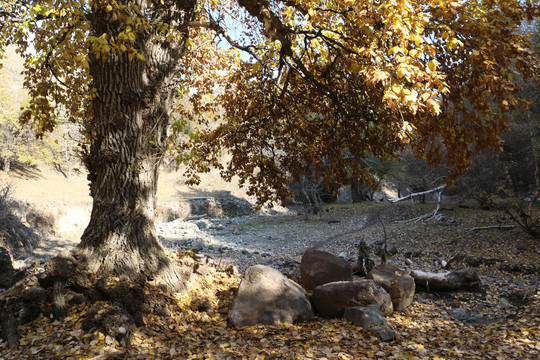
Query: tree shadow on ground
{"type": "Point", "coordinates": [25, 171]}
{"type": "Point", "coordinates": [49, 248]}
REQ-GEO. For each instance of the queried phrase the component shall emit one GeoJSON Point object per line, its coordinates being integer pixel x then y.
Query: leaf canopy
{"type": "Point", "coordinates": [298, 86]}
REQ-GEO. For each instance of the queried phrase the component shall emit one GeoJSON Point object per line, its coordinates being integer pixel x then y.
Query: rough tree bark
{"type": "Point", "coordinates": [131, 113]}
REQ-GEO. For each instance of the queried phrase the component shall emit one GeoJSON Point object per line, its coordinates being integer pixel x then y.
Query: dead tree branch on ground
{"type": "Point", "coordinates": [500, 227]}
{"type": "Point", "coordinates": [413, 195]}
{"type": "Point", "coordinates": [429, 216]}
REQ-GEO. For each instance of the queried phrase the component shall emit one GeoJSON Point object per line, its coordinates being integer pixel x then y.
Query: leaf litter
{"type": "Point", "coordinates": [426, 330]}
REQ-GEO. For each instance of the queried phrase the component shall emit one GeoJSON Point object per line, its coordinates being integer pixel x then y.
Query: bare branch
{"type": "Point", "coordinates": [430, 215]}
{"type": "Point", "coordinates": [500, 227]}
{"type": "Point", "coordinates": [410, 196]}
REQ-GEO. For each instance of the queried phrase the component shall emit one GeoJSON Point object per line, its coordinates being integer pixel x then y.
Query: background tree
{"type": "Point", "coordinates": [510, 179]}
{"type": "Point", "coordinates": [318, 80]}
{"type": "Point", "coordinates": [18, 144]}
{"type": "Point", "coordinates": [411, 174]}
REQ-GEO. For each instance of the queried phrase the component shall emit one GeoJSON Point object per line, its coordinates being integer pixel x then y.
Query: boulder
{"type": "Point", "coordinates": [331, 299]}
{"type": "Point", "coordinates": [396, 282]}
{"type": "Point", "coordinates": [319, 267]}
{"type": "Point", "coordinates": [265, 296]}
{"type": "Point", "coordinates": [225, 204]}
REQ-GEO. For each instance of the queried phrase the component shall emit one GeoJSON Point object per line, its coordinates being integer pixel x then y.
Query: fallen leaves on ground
{"type": "Point", "coordinates": [425, 330]}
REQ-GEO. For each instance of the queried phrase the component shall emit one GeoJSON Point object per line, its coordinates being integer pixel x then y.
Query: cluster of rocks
{"type": "Point", "coordinates": [265, 296]}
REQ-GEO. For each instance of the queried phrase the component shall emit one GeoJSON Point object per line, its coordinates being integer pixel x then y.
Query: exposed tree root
{"type": "Point", "coordinates": [129, 297]}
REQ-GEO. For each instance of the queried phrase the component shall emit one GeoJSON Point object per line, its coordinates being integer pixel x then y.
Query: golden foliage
{"type": "Point", "coordinates": [292, 87]}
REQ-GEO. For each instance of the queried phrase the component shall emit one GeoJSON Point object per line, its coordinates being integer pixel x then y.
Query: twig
{"type": "Point", "coordinates": [501, 227]}
{"type": "Point", "coordinates": [106, 355]}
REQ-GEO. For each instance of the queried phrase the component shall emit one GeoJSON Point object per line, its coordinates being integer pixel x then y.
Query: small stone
{"type": "Point", "coordinates": [232, 270]}
{"type": "Point", "coordinates": [245, 252]}
{"type": "Point", "coordinates": [504, 303]}
{"type": "Point", "coordinates": [206, 306]}
{"type": "Point", "coordinates": [365, 316]}
{"type": "Point", "coordinates": [413, 254]}
{"type": "Point", "coordinates": [197, 244]}
{"type": "Point", "coordinates": [460, 314]}
{"type": "Point", "coordinates": [391, 248]}
{"type": "Point", "coordinates": [409, 262]}
{"type": "Point", "coordinates": [386, 334]}
{"type": "Point", "coordinates": [518, 298]}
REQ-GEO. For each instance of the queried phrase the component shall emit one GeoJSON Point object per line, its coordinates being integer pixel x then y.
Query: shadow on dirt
{"type": "Point", "coordinates": [25, 171]}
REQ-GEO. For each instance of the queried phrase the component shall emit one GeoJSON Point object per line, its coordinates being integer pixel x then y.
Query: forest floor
{"type": "Point", "coordinates": [501, 320]}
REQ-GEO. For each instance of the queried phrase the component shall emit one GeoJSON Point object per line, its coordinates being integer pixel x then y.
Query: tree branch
{"type": "Point", "coordinates": [410, 196]}
{"type": "Point", "coordinates": [430, 215]}
{"type": "Point", "coordinates": [501, 227]}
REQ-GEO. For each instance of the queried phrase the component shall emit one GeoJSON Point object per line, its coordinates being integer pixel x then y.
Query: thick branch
{"type": "Point", "coordinates": [410, 196]}
{"type": "Point", "coordinates": [446, 281]}
{"type": "Point", "coordinates": [430, 215]}
{"type": "Point", "coordinates": [275, 30]}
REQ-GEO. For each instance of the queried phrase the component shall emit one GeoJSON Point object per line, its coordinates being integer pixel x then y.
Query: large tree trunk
{"type": "Point", "coordinates": [131, 113]}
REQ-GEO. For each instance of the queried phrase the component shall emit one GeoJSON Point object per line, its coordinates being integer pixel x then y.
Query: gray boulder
{"type": "Point", "coordinates": [397, 282]}
{"type": "Point", "coordinates": [331, 299]}
{"type": "Point", "coordinates": [265, 296]}
{"type": "Point", "coordinates": [320, 267]}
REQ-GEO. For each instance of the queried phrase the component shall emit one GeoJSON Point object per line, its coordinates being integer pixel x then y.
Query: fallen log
{"type": "Point", "coordinates": [451, 280]}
